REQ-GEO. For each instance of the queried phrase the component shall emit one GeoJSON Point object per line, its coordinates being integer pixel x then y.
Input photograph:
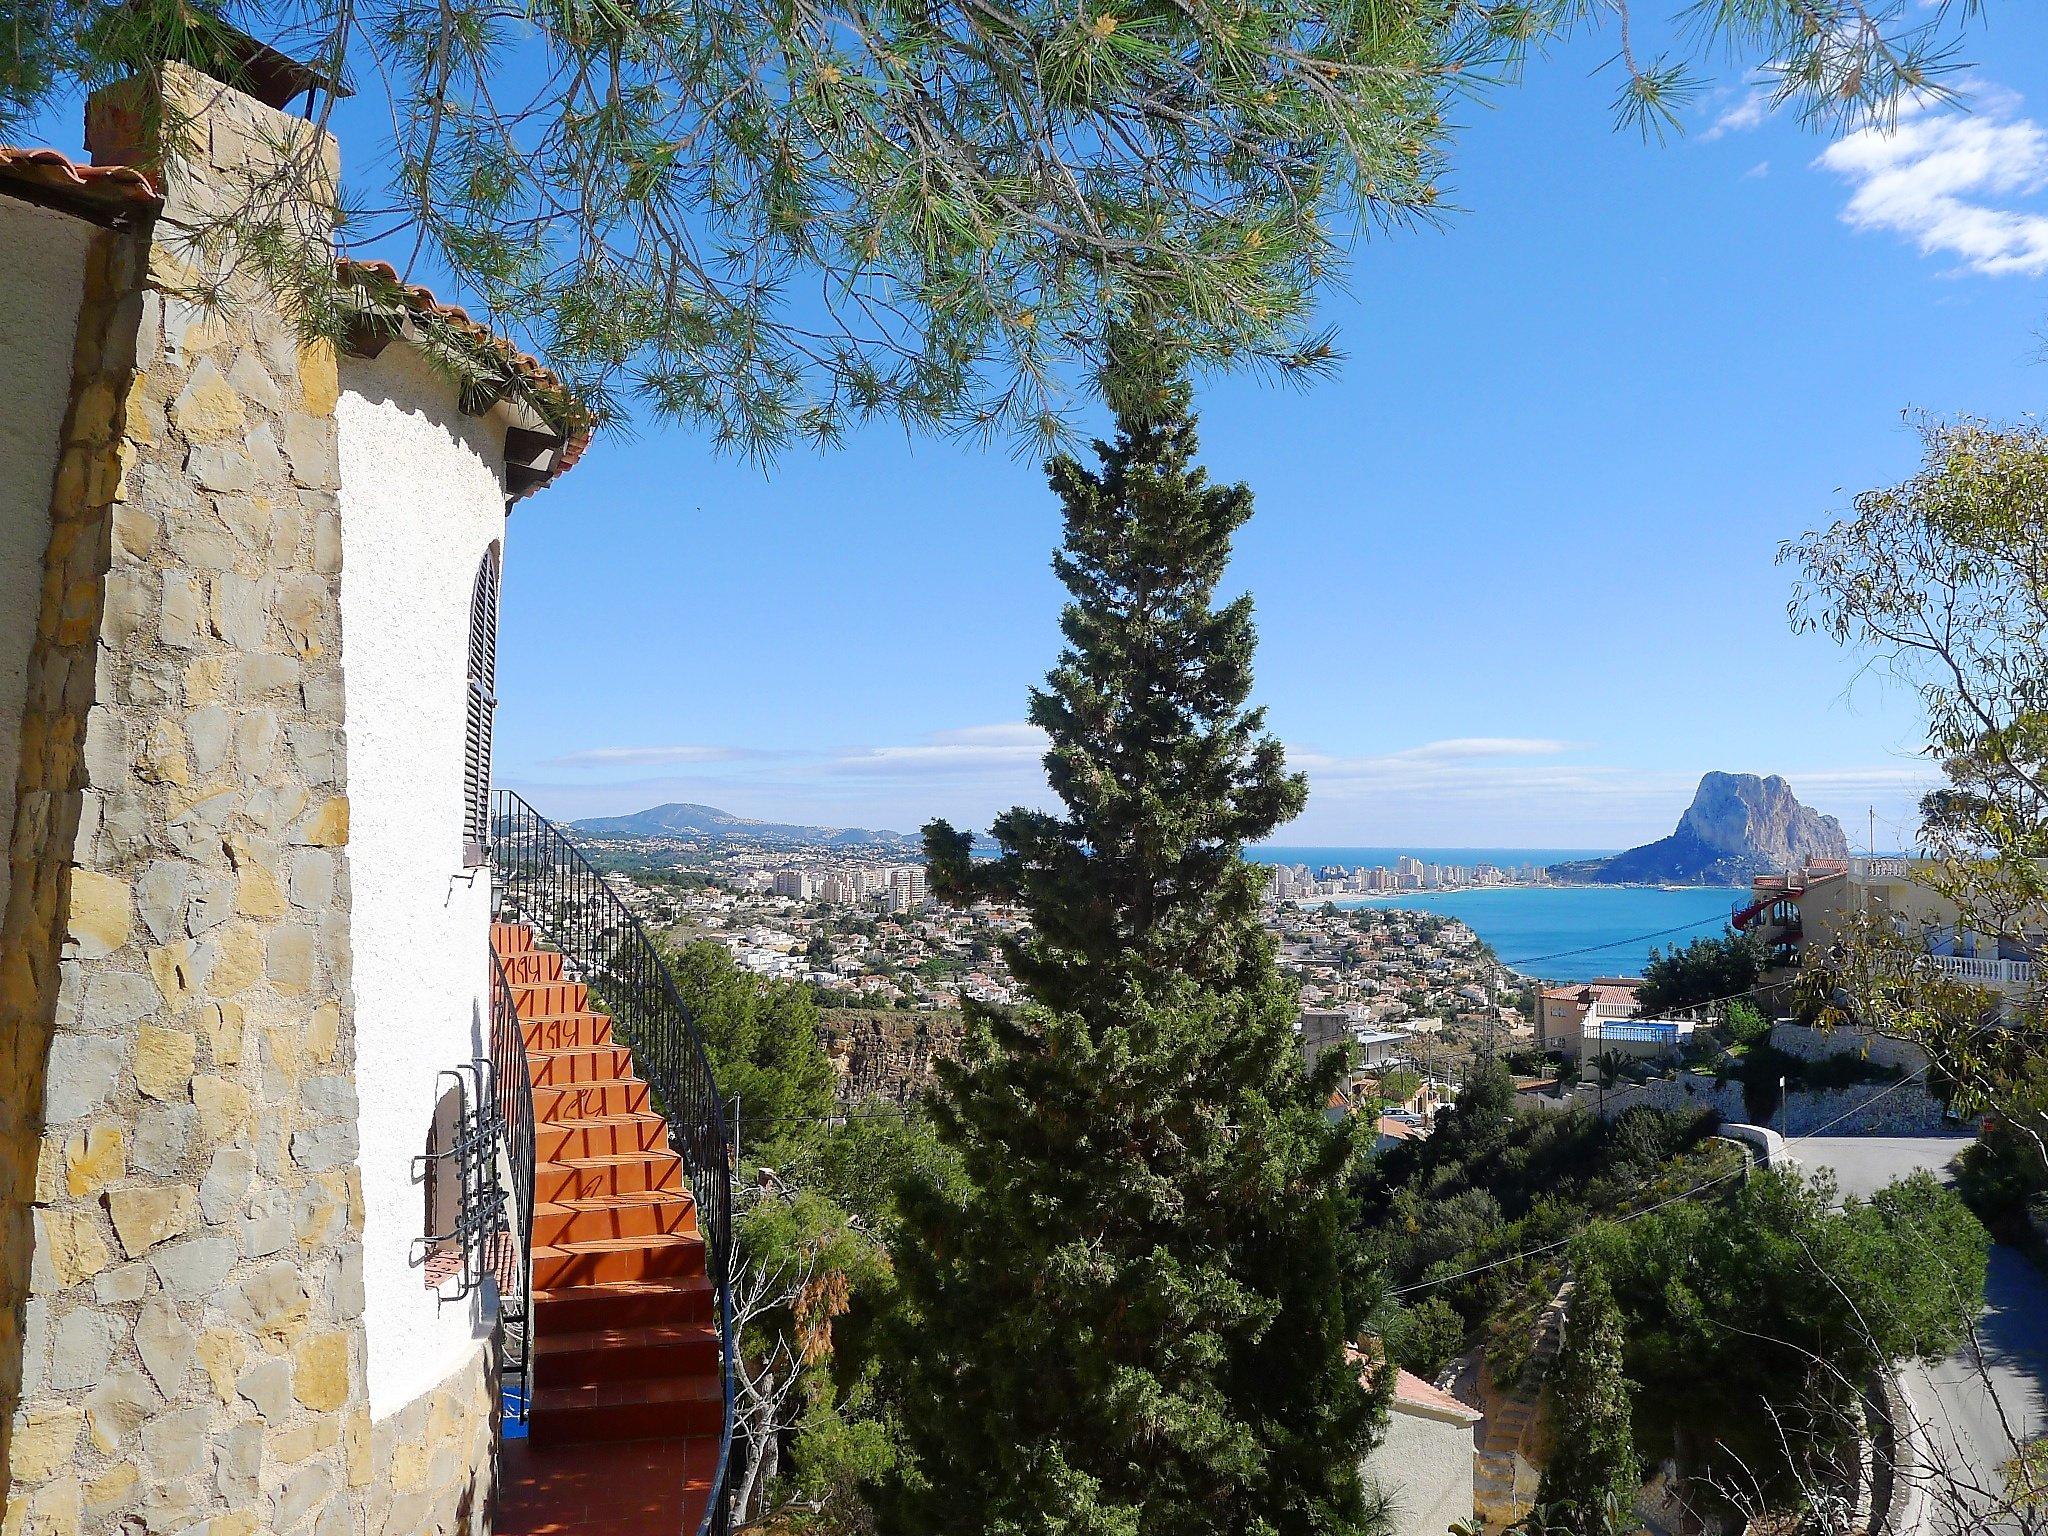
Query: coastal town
{"type": "Point", "coordinates": [1300, 882]}
{"type": "Point", "coordinates": [857, 927]}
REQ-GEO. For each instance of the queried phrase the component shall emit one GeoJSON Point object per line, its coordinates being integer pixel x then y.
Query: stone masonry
{"type": "Point", "coordinates": [180, 1131]}
{"type": "Point", "coordinates": [435, 1457]}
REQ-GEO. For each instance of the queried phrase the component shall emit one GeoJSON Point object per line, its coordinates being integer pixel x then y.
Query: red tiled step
{"type": "Point", "coordinates": [622, 1304]}
{"type": "Point", "coordinates": [585, 1178]}
{"type": "Point", "coordinates": [510, 939]}
{"type": "Point", "coordinates": [605, 1488]}
{"type": "Point", "coordinates": [590, 1101]}
{"type": "Point", "coordinates": [533, 965]}
{"type": "Point", "coordinates": [578, 1064]}
{"type": "Point", "coordinates": [544, 997]}
{"type": "Point", "coordinates": [561, 1031]}
{"type": "Point", "coordinates": [625, 1354]}
{"type": "Point", "coordinates": [655, 1256]}
{"type": "Point", "coordinates": [629, 1410]}
{"type": "Point", "coordinates": [608, 1137]}
{"type": "Point", "coordinates": [625, 1321]}
{"type": "Point", "coordinates": [646, 1213]}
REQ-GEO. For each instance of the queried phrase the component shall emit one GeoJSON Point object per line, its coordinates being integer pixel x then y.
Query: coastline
{"type": "Point", "coordinates": [1596, 930]}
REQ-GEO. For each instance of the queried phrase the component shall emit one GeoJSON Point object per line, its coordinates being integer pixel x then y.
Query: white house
{"type": "Point", "coordinates": [1424, 1465]}
{"type": "Point", "coordinates": [250, 1150]}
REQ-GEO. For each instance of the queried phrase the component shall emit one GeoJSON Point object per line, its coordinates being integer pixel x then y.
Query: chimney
{"type": "Point", "coordinates": [228, 159]}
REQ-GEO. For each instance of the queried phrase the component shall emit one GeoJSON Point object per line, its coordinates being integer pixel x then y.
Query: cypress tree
{"type": "Point", "coordinates": [1589, 1488]}
{"type": "Point", "coordinates": [1132, 1314]}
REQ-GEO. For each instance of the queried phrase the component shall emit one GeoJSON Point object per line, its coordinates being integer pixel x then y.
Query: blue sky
{"type": "Point", "coordinates": [1513, 566]}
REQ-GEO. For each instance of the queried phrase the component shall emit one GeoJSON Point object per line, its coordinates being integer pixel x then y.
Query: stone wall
{"type": "Point", "coordinates": [56, 914]}
{"type": "Point", "coordinates": [1811, 1044]}
{"type": "Point", "coordinates": [193, 1357]}
{"type": "Point", "coordinates": [1863, 1109]}
{"type": "Point", "coordinates": [39, 302]}
{"type": "Point", "coordinates": [887, 1056]}
{"type": "Point", "coordinates": [435, 1457]}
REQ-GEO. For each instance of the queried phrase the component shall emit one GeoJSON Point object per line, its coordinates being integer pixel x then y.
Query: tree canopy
{"type": "Point", "coordinates": [1708, 970]}
{"type": "Point", "coordinates": [781, 220]}
{"type": "Point", "coordinates": [1943, 581]}
{"type": "Point", "coordinates": [762, 1038]}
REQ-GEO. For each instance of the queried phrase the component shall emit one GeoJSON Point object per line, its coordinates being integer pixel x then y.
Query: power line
{"type": "Point", "coordinates": [1590, 949]}
{"type": "Point", "coordinates": [1650, 1210]}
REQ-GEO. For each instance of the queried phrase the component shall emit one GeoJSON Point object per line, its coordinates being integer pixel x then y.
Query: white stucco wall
{"type": "Point", "coordinates": [1424, 1466]}
{"type": "Point", "coordinates": [43, 254]}
{"type": "Point", "coordinates": [421, 500]}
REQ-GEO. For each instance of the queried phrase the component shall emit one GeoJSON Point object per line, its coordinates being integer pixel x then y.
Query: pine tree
{"type": "Point", "coordinates": [1133, 1314]}
{"type": "Point", "coordinates": [1589, 1488]}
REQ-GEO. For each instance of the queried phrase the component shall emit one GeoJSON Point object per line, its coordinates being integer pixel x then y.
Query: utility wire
{"type": "Point", "coordinates": [1590, 949]}
{"type": "Point", "coordinates": [1649, 1210]}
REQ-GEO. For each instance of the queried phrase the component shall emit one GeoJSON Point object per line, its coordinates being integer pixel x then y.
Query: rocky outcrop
{"type": "Point", "coordinates": [1737, 826]}
{"type": "Point", "coordinates": [887, 1055]}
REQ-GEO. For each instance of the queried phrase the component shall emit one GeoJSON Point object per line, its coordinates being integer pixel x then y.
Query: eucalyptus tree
{"type": "Point", "coordinates": [1942, 581]}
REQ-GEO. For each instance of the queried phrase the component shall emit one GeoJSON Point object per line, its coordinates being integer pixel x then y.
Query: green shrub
{"type": "Point", "coordinates": [1426, 1337]}
{"type": "Point", "coordinates": [1746, 1024]}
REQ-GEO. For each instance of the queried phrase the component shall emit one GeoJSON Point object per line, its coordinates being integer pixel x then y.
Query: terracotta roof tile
{"type": "Point", "coordinates": [528, 369]}
{"type": "Point", "coordinates": [99, 190]}
{"type": "Point", "coordinates": [1417, 1393]}
{"type": "Point", "coordinates": [1410, 1391]}
{"type": "Point", "coordinates": [84, 188]}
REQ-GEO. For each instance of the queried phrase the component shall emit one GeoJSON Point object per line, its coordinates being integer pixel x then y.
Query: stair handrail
{"type": "Point", "coordinates": [512, 1088]}
{"type": "Point", "coordinates": [554, 886]}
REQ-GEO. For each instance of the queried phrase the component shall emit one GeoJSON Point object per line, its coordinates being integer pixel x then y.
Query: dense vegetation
{"type": "Point", "coordinates": [763, 1041]}
{"type": "Point", "coordinates": [816, 1202]}
{"type": "Point", "coordinates": [1707, 970]}
{"type": "Point", "coordinates": [2004, 1177]}
{"type": "Point", "coordinates": [1754, 1320]}
{"type": "Point", "coordinates": [1589, 1485]}
{"type": "Point", "coordinates": [1492, 1184]}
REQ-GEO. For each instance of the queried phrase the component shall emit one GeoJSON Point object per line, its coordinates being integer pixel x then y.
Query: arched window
{"type": "Point", "coordinates": [483, 704]}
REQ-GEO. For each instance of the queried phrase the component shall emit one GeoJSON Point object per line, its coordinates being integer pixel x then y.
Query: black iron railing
{"type": "Point", "coordinates": [512, 1088]}
{"type": "Point", "coordinates": [542, 878]}
{"type": "Point", "coordinates": [460, 1174]}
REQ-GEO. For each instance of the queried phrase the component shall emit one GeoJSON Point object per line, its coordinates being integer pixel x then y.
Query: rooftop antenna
{"type": "Point", "coordinates": [1873, 831]}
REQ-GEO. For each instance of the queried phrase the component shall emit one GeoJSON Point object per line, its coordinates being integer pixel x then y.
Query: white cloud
{"type": "Point", "coordinates": [1758, 171]}
{"type": "Point", "coordinates": [972, 749]}
{"type": "Point", "coordinates": [640, 757]}
{"type": "Point", "coordinates": [1949, 182]}
{"type": "Point", "coordinates": [1751, 110]}
{"type": "Point", "coordinates": [1465, 747]}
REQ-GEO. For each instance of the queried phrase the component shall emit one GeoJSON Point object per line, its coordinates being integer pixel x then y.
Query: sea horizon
{"type": "Point", "coordinates": [1374, 857]}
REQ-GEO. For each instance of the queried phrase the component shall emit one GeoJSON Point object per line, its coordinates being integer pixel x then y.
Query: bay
{"type": "Point", "coordinates": [1574, 933]}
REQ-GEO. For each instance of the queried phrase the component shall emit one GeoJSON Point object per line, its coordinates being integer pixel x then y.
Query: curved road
{"type": "Point", "coordinates": [1993, 1392]}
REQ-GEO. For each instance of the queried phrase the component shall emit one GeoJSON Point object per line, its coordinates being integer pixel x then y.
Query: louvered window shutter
{"type": "Point", "coordinates": [483, 704]}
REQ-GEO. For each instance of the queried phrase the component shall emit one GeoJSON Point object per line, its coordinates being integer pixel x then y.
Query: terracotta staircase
{"type": "Point", "coordinates": [628, 1394]}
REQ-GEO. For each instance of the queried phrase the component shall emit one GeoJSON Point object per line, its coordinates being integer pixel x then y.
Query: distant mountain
{"type": "Point", "coordinates": [1738, 825]}
{"type": "Point", "coordinates": [710, 824]}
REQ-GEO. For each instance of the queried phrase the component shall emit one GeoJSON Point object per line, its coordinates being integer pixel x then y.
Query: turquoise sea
{"type": "Point", "coordinates": [1584, 931]}
{"type": "Point", "coordinates": [1560, 933]}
